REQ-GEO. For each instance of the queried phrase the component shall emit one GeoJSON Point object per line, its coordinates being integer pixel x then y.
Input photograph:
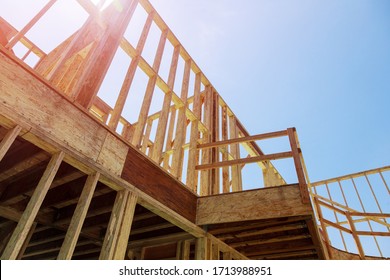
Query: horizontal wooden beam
{"type": "Point", "coordinates": [244, 139]}
{"type": "Point", "coordinates": [373, 233]}
{"type": "Point", "coordinates": [244, 160]}
{"type": "Point", "coordinates": [267, 203]}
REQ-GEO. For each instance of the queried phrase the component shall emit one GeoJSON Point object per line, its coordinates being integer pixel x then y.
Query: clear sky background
{"type": "Point", "coordinates": [320, 66]}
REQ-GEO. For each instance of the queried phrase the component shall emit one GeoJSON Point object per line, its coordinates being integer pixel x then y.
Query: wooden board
{"type": "Point", "coordinates": [151, 179]}
{"type": "Point", "coordinates": [258, 204]}
{"type": "Point", "coordinates": [22, 94]}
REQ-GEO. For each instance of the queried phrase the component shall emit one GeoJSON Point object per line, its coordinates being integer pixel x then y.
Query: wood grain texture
{"type": "Point", "coordinates": [151, 179]}
{"type": "Point", "coordinates": [252, 205]}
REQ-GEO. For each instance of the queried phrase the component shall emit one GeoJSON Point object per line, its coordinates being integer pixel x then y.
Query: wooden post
{"type": "Point", "coordinates": [225, 155]}
{"type": "Point", "coordinates": [100, 57]}
{"type": "Point", "coordinates": [205, 175]}
{"type": "Point", "coordinates": [355, 236]}
{"type": "Point", "coordinates": [118, 230]}
{"type": "Point", "coordinates": [227, 255]}
{"type": "Point", "coordinates": [26, 221]}
{"type": "Point", "coordinates": [186, 249]}
{"type": "Point", "coordinates": [8, 139]}
{"type": "Point", "coordinates": [123, 238]}
{"type": "Point", "coordinates": [163, 120]}
{"type": "Point", "coordinates": [201, 248]}
{"type": "Point", "coordinates": [78, 218]}
{"type": "Point", "coordinates": [193, 154]}
{"type": "Point", "coordinates": [298, 165]}
{"type": "Point", "coordinates": [235, 151]}
{"type": "Point", "coordinates": [214, 251]}
{"type": "Point", "coordinates": [181, 125]}
{"type": "Point", "coordinates": [328, 250]}
{"type": "Point", "coordinates": [215, 189]}
{"type": "Point", "coordinates": [25, 244]}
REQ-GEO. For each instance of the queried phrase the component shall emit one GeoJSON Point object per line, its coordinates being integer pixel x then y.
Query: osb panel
{"type": "Point", "coordinates": [259, 204]}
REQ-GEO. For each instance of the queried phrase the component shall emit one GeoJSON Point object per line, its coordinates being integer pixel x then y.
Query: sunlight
{"type": "Point", "coordinates": [104, 3]}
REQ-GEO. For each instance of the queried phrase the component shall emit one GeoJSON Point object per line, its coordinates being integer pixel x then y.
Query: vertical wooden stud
{"type": "Point", "coordinates": [78, 218]}
{"type": "Point", "coordinates": [163, 120]}
{"type": "Point", "coordinates": [8, 139]}
{"type": "Point", "coordinates": [291, 132]}
{"type": "Point", "coordinates": [26, 221]}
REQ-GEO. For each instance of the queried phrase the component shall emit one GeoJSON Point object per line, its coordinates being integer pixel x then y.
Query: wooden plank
{"type": "Point", "coordinates": [298, 164]}
{"type": "Point", "coordinates": [193, 153]}
{"type": "Point", "coordinates": [124, 233]}
{"type": "Point", "coordinates": [205, 184]}
{"type": "Point", "coordinates": [30, 24]}
{"type": "Point", "coordinates": [159, 240]}
{"type": "Point", "coordinates": [78, 218]}
{"type": "Point", "coordinates": [27, 241]}
{"type": "Point", "coordinates": [235, 151]}
{"type": "Point", "coordinates": [181, 125]}
{"type": "Point", "coordinates": [256, 137]}
{"type": "Point", "coordinates": [163, 120]}
{"type": "Point", "coordinates": [102, 55]}
{"type": "Point", "coordinates": [355, 236]}
{"type": "Point", "coordinates": [26, 221]}
{"type": "Point", "coordinates": [186, 250]}
{"type": "Point", "coordinates": [215, 174]}
{"type": "Point", "coordinates": [8, 139]}
{"type": "Point", "coordinates": [201, 248]}
{"type": "Point", "coordinates": [114, 226]}
{"type": "Point", "coordinates": [266, 203]}
{"type": "Point", "coordinates": [225, 155]}
{"type": "Point", "coordinates": [244, 160]}
{"type": "Point", "coordinates": [143, 116]}
{"type": "Point", "coordinates": [113, 154]}
{"type": "Point", "coordinates": [158, 184]}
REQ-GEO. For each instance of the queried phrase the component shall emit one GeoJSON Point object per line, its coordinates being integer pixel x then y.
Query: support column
{"type": "Point", "coordinates": [74, 229]}
{"type": "Point", "coordinates": [8, 139]}
{"type": "Point", "coordinates": [118, 230]}
{"type": "Point", "coordinates": [26, 221]}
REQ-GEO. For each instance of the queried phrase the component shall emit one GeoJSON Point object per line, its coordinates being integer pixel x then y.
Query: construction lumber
{"type": "Point", "coordinates": [78, 218]}
{"type": "Point", "coordinates": [252, 205]}
{"type": "Point", "coordinates": [26, 221]}
{"type": "Point", "coordinates": [7, 141]}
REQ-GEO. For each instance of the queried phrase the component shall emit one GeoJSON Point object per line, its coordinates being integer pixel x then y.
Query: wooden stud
{"type": "Point", "coordinates": [27, 241]}
{"type": "Point", "coordinates": [193, 154]}
{"type": "Point", "coordinates": [112, 233]}
{"type": "Point", "coordinates": [8, 139]}
{"type": "Point", "coordinates": [186, 250]}
{"type": "Point", "coordinates": [26, 221]}
{"type": "Point", "coordinates": [118, 230]}
{"type": "Point", "coordinates": [125, 229]}
{"type": "Point", "coordinates": [235, 151]}
{"type": "Point", "coordinates": [100, 57]}
{"type": "Point", "coordinates": [120, 103]}
{"type": "Point", "coordinates": [201, 252]}
{"type": "Point", "coordinates": [298, 164]}
{"type": "Point", "coordinates": [181, 125]}
{"type": "Point", "coordinates": [225, 155]}
{"type": "Point", "coordinates": [205, 183]}
{"type": "Point", "coordinates": [29, 25]}
{"type": "Point", "coordinates": [78, 218]}
{"type": "Point", "coordinates": [143, 116]}
{"type": "Point", "coordinates": [355, 236]}
{"type": "Point", "coordinates": [163, 120]}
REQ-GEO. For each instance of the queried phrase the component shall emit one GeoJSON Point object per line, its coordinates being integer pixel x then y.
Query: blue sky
{"type": "Point", "coordinates": [321, 66]}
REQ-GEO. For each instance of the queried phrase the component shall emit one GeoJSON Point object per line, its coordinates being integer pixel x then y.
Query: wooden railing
{"type": "Point", "coordinates": [354, 212]}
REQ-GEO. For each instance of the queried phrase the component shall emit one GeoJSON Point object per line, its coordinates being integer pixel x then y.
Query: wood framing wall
{"type": "Point", "coordinates": [178, 163]}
